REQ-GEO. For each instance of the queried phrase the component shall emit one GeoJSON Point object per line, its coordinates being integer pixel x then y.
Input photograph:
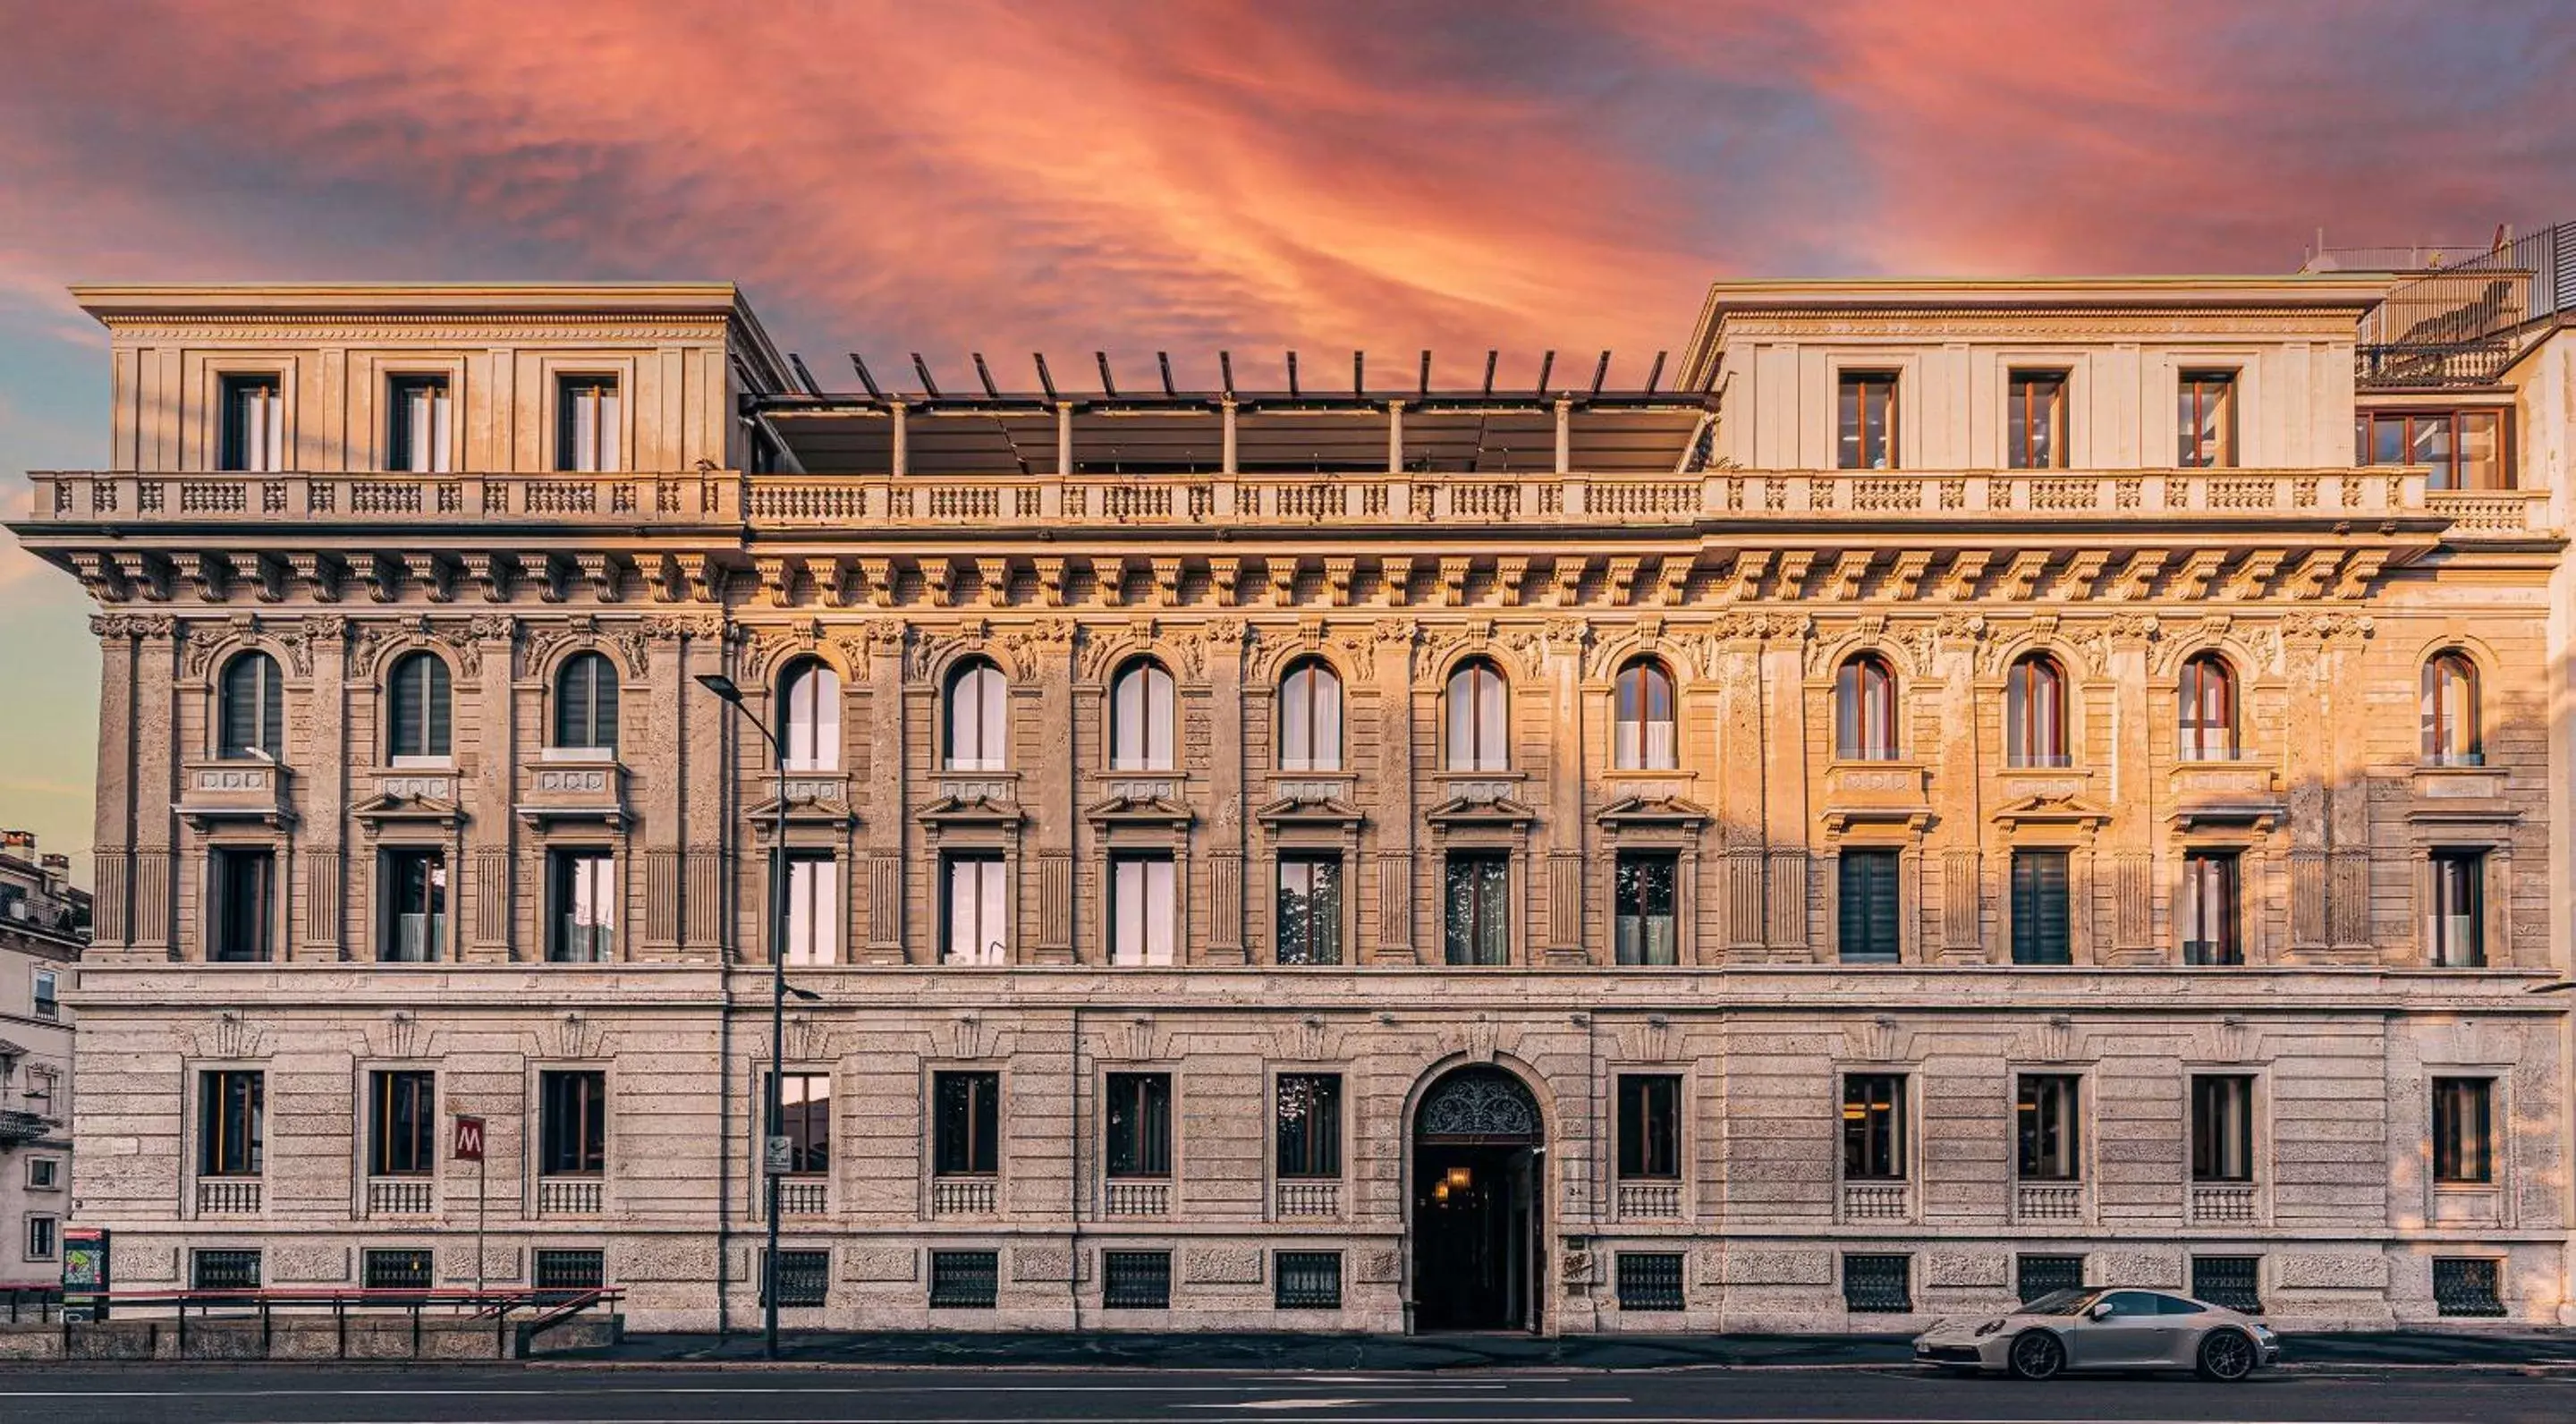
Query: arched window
{"type": "Point", "coordinates": [976, 697]}
{"type": "Point", "coordinates": [1478, 729]}
{"type": "Point", "coordinates": [586, 704]}
{"type": "Point", "coordinates": [2451, 710]}
{"type": "Point", "coordinates": [1642, 718]}
{"type": "Point", "coordinates": [1865, 710]}
{"type": "Point", "coordinates": [2206, 709]}
{"type": "Point", "coordinates": [810, 695]}
{"type": "Point", "coordinates": [251, 720]}
{"type": "Point", "coordinates": [1140, 718]}
{"type": "Point", "coordinates": [419, 691]}
{"type": "Point", "coordinates": [2035, 713]}
{"type": "Point", "coordinates": [1310, 718]}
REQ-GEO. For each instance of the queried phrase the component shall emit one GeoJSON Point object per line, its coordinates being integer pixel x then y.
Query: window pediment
{"type": "Point", "coordinates": [2070, 813]}
{"type": "Point", "coordinates": [1157, 812]}
{"type": "Point", "coordinates": [411, 801]}
{"type": "Point", "coordinates": [1654, 813]}
{"type": "Point", "coordinates": [972, 812]}
{"type": "Point", "coordinates": [1309, 813]}
{"type": "Point", "coordinates": [1482, 812]}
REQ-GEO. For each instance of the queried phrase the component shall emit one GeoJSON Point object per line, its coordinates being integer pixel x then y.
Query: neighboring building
{"type": "Point", "coordinates": [44, 923]}
{"type": "Point", "coordinates": [1970, 788]}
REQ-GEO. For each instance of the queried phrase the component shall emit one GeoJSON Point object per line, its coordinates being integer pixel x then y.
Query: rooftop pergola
{"type": "Point", "coordinates": [1303, 427]}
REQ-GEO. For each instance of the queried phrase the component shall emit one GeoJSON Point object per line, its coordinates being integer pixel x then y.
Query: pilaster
{"type": "Point", "coordinates": [1225, 837]}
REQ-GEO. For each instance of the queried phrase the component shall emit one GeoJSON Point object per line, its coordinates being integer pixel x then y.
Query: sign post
{"type": "Point", "coordinates": [468, 1147]}
{"type": "Point", "coordinates": [85, 1274]}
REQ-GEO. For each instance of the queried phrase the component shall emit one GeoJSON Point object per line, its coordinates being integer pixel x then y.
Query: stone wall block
{"type": "Point", "coordinates": [1779, 1268]}
{"type": "Point", "coordinates": [880, 1263]}
{"type": "Point", "coordinates": [1221, 1266]}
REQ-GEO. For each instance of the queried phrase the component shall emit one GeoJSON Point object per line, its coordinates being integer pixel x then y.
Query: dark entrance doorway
{"type": "Point", "coordinates": [1478, 1165]}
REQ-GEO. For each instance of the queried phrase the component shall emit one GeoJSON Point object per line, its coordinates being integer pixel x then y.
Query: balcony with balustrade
{"type": "Point", "coordinates": [2226, 1204]}
{"type": "Point", "coordinates": [965, 1196]}
{"type": "Point", "coordinates": [804, 1196]}
{"type": "Point", "coordinates": [228, 1196]}
{"type": "Point", "coordinates": [1877, 1203]}
{"type": "Point", "coordinates": [401, 1196]}
{"type": "Point", "coordinates": [1132, 1197]}
{"type": "Point", "coordinates": [1648, 1201]}
{"type": "Point", "coordinates": [570, 1196]}
{"type": "Point", "coordinates": [2052, 1203]}
{"type": "Point", "coordinates": [1306, 1199]}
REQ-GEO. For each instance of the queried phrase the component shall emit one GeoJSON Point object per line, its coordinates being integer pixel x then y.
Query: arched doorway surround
{"type": "Point", "coordinates": [1479, 1173]}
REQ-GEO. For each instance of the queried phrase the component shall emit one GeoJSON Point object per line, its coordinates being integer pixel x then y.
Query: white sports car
{"type": "Point", "coordinates": [2104, 1328]}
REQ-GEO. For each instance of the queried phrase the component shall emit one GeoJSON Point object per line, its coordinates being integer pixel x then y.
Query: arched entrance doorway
{"type": "Point", "coordinates": [1478, 1170]}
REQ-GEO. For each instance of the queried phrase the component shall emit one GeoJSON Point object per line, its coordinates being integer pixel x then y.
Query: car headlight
{"type": "Point", "coordinates": [1989, 1328]}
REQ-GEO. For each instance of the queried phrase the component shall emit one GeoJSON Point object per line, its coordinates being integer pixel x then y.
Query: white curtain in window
{"type": "Point", "coordinates": [1140, 717]}
{"type": "Point", "coordinates": [425, 425]}
{"type": "Point", "coordinates": [593, 412]}
{"type": "Point", "coordinates": [976, 740]}
{"type": "Point", "coordinates": [1310, 719]}
{"type": "Point", "coordinates": [813, 718]}
{"type": "Point", "coordinates": [813, 911]}
{"type": "Point", "coordinates": [1141, 899]}
{"type": "Point", "coordinates": [978, 920]}
{"type": "Point", "coordinates": [1476, 720]}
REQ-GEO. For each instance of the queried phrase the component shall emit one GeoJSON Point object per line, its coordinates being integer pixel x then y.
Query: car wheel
{"type": "Point", "coordinates": [2226, 1356]}
{"type": "Point", "coordinates": [2036, 1355]}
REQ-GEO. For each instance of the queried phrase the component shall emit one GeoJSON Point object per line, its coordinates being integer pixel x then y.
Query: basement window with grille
{"type": "Point", "coordinates": [1136, 1280]}
{"type": "Point", "coordinates": [1306, 1280]}
{"type": "Point", "coordinates": [571, 1270]}
{"type": "Point", "coordinates": [2468, 1285]}
{"type": "Point", "coordinates": [965, 1280]}
{"type": "Point", "coordinates": [804, 1278]}
{"type": "Point", "coordinates": [1878, 1284]}
{"type": "Point", "coordinates": [2231, 1281]}
{"type": "Point", "coordinates": [2036, 1276]}
{"type": "Point", "coordinates": [1650, 1280]}
{"type": "Point", "coordinates": [406, 1269]}
{"type": "Point", "coordinates": [224, 1270]}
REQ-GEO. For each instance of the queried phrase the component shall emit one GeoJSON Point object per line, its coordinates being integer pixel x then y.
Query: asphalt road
{"type": "Point", "coordinates": [563, 1394]}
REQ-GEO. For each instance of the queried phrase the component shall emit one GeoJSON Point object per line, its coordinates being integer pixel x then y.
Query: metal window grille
{"type": "Point", "coordinates": [571, 1270]}
{"type": "Point", "coordinates": [224, 1270]}
{"type": "Point", "coordinates": [1136, 1280]}
{"type": "Point", "coordinates": [965, 1280]}
{"type": "Point", "coordinates": [1307, 1280]}
{"type": "Point", "coordinates": [1650, 1280]}
{"type": "Point", "coordinates": [398, 1270]}
{"type": "Point", "coordinates": [1878, 1284]}
{"type": "Point", "coordinates": [804, 1277]}
{"type": "Point", "coordinates": [2231, 1281]}
{"type": "Point", "coordinates": [2468, 1285]}
{"type": "Point", "coordinates": [2036, 1276]}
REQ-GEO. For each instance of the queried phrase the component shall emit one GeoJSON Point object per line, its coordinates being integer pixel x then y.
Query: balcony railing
{"type": "Point", "coordinates": [1364, 497]}
{"type": "Point", "coordinates": [965, 1196]}
{"type": "Point", "coordinates": [1136, 1199]}
{"type": "Point", "coordinates": [2223, 1204]}
{"type": "Point", "coordinates": [804, 1196]}
{"type": "Point", "coordinates": [1308, 1199]}
{"type": "Point", "coordinates": [1650, 1201]}
{"type": "Point", "coordinates": [228, 1196]}
{"type": "Point", "coordinates": [400, 1196]}
{"type": "Point", "coordinates": [2048, 1203]}
{"type": "Point", "coordinates": [569, 1196]}
{"type": "Point", "coordinates": [1878, 1201]}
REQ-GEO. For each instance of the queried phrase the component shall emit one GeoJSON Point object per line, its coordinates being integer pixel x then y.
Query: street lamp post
{"type": "Point", "coordinates": [724, 688]}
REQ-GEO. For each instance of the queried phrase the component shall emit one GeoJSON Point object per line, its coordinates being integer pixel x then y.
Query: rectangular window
{"type": "Point", "coordinates": [2039, 908]}
{"type": "Point", "coordinates": [2464, 449]}
{"type": "Point", "coordinates": [245, 881]}
{"type": "Point", "coordinates": [418, 432]}
{"type": "Point", "coordinates": [413, 927]}
{"type": "Point", "coordinates": [571, 1270]}
{"type": "Point", "coordinates": [2455, 921]}
{"type": "Point", "coordinates": [2463, 1136]}
{"type": "Point", "coordinates": [1645, 926]}
{"type": "Point", "coordinates": [1143, 909]}
{"type": "Point", "coordinates": [254, 415]}
{"type": "Point", "coordinates": [583, 928]}
{"type": "Point", "coordinates": [2209, 918]}
{"type": "Point", "coordinates": [965, 1280]}
{"type": "Point", "coordinates": [804, 1279]}
{"type": "Point", "coordinates": [572, 1123]}
{"type": "Point", "coordinates": [2205, 412]}
{"type": "Point", "coordinates": [2222, 1128]}
{"type": "Point", "coordinates": [42, 1238]}
{"type": "Point", "coordinates": [1650, 1280]}
{"type": "Point", "coordinates": [813, 908]}
{"type": "Point", "coordinates": [406, 1268]}
{"type": "Point", "coordinates": [2468, 1285]}
{"type": "Point", "coordinates": [42, 992]}
{"type": "Point", "coordinates": [1309, 1117]}
{"type": "Point", "coordinates": [975, 911]}
{"type": "Point", "coordinates": [1873, 1127]}
{"type": "Point", "coordinates": [230, 1120]}
{"type": "Point", "coordinates": [1306, 1280]}
{"type": "Point", "coordinates": [402, 1140]}
{"type": "Point", "coordinates": [1476, 906]}
{"type": "Point", "coordinates": [2230, 1281]}
{"type": "Point", "coordinates": [586, 424]}
{"type": "Point", "coordinates": [1310, 909]}
{"type": "Point", "coordinates": [805, 1120]}
{"type": "Point", "coordinates": [2035, 421]}
{"type": "Point", "coordinates": [40, 1092]}
{"type": "Point", "coordinates": [223, 1270]}
{"type": "Point", "coordinates": [1878, 1285]}
{"type": "Point", "coordinates": [1865, 426]}
{"type": "Point", "coordinates": [1868, 913]}
{"type": "Point", "coordinates": [2046, 1127]}
{"type": "Point", "coordinates": [966, 1124]}
{"type": "Point", "coordinates": [1139, 1124]}
{"type": "Point", "coordinates": [44, 1174]}
{"type": "Point", "coordinates": [1650, 1127]}
{"type": "Point", "coordinates": [1136, 1280]}
{"type": "Point", "coordinates": [2036, 1276]}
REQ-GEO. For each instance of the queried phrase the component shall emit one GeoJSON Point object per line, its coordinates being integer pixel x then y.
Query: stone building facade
{"type": "Point", "coordinates": [44, 922]}
{"type": "Point", "coordinates": [1971, 786]}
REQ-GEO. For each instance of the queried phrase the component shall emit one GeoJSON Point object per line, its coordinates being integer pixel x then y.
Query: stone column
{"type": "Point", "coordinates": [112, 833]}
{"type": "Point", "coordinates": [488, 902]}
{"type": "Point", "coordinates": [2128, 847]}
{"type": "Point", "coordinates": [1563, 672]}
{"type": "Point", "coordinates": [1396, 811]}
{"type": "Point", "coordinates": [708, 730]}
{"type": "Point", "coordinates": [887, 799]}
{"type": "Point", "coordinates": [321, 782]}
{"type": "Point", "coordinates": [1735, 666]}
{"type": "Point", "coordinates": [2347, 779]}
{"type": "Point", "coordinates": [2308, 734]}
{"type": "Point", "coordinates": [1784, 785]}
{"type": "Point", "coordinates": [665, 761]}
{"type": "Point", "coordinates": [1957, 757]}
{"type": "Point", "coordinates": [1054, 783]}
{"type": "Point", "coordinates": [1225, 842]}
{"type": "Point", "coordinates": [156, 787]}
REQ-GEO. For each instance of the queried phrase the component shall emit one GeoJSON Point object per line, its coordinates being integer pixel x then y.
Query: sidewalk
{"type": "Point", "coordinates": [1439, 1352]}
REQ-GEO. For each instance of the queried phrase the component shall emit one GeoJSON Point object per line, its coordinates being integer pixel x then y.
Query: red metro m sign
{"type": "Point", "coordinates": [468, 1145]}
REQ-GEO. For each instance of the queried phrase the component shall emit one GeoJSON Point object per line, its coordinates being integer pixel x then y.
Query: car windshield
{"type": "Point", "coordinates": [2065, 1302]}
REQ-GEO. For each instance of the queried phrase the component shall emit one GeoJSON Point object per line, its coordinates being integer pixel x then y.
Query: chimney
{"type": "Point", "coordinates": [18, 842]}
